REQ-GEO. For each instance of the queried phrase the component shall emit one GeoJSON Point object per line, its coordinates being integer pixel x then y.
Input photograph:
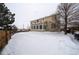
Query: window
{"type": "Point", "coordinates": [34, 27]}
{"type": "Point", "coordinates": [37, 20]}
{"type": "Point", "coordinates": [45, 27]}
{"type": "Point", "coordinates": [40, 26]}
{"type": "Point", "coordinates": [37, 26]}
{"type": "Point", "coordinates": [52, 25]}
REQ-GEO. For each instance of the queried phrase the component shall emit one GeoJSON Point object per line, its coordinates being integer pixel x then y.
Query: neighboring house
{"type": "Point", "coordinates": [49, 23]}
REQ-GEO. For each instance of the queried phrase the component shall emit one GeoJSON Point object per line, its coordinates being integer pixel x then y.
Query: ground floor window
{"type": "Point", "coordinates": [40, 26]}
{"type": "Point", "coordinates": [37, 26]}
{"type": "Point", "coordinates": [45, 27]}
{"type": "Point", "coordinates": [34, 27]}
{"type": "Point", "coordinates": [52, 25]}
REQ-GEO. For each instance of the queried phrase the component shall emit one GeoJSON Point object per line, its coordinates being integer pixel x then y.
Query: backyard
{"type": "Point", "coordinates": [41, 43]}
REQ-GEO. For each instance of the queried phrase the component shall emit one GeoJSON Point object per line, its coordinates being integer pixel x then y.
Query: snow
{"type": "Point", "coordinates": [77, 32]}
{"type": "Point", "coordinates": [41, 43]}
{"type": "Point", "coordinates": [75, 21]}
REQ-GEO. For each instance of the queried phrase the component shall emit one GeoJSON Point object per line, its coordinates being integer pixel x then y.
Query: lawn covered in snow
{"type": "Point", "coordinates": [41, 43]}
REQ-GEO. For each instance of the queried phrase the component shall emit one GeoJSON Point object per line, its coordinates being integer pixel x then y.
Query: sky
{"type": "Point", "coordinates": [26, 12]}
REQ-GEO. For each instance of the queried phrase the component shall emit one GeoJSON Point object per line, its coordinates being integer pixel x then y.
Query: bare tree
{"type": "Point", "coordinates": [68, 12]}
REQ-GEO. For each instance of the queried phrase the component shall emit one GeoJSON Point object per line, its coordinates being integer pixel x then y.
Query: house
{"type": "Point", "coordinates": [48, 23]}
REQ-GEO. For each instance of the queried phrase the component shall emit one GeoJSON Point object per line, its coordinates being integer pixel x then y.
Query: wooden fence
{"type": "Point", "coordinates": [3, 38]}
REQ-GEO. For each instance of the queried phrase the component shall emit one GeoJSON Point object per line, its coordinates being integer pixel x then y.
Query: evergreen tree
{"type": "Point", "coordinates": [6, 18]}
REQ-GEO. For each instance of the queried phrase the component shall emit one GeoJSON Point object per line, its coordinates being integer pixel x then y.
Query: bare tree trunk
{"type": "Point", "coordinates": [65, 25]}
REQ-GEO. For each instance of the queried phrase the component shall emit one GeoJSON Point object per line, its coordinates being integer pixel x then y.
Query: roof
{"type": "Point", "coordinates": [44, 17]}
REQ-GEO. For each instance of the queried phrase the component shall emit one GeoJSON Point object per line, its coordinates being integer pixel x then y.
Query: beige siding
{"type": "Point", "coordinates": [48, 24]}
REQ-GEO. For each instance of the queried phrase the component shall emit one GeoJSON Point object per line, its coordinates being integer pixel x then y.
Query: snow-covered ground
{"type": "Point", "coordinates": [41, 43]}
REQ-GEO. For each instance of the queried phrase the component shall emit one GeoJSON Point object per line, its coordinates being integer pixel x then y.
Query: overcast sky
{"type": "Point", "coordinates": [25, 12]}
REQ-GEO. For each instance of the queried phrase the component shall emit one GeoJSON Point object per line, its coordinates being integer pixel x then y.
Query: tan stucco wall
{"type": "Point", "coordinates": [46, 20]}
